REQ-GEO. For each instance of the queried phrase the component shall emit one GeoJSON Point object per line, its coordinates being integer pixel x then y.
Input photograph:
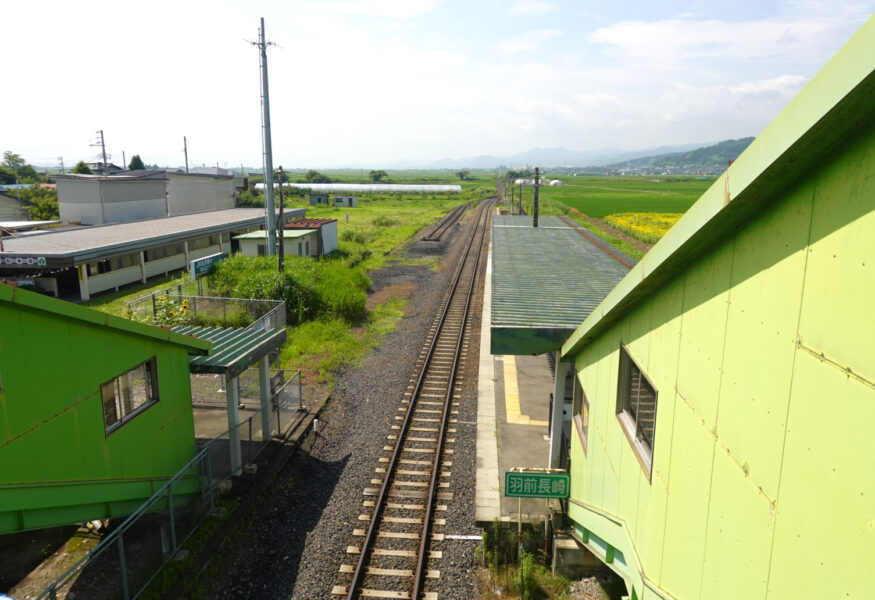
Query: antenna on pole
{"type": "Point", "coordinates": [270, 217]}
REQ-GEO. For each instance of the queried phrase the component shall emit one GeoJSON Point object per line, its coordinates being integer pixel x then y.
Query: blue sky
{"type": "Point", "coordinates": [372, 82]}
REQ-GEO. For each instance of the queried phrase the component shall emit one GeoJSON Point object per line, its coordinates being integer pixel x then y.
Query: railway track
{"type": "Point", "coordinates": [444, 224]}
{"type": "Point", "coordinates": [396, 549]}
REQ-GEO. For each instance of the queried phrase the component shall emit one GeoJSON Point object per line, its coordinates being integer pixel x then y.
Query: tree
{"type": "Point", "coordinates": [82, 169]}
{"type": "Point", "coordinates": [43, 203]}
{"type": "Point", "coordinates": [7, 176]}
{"type": "Point", "coordinates": [378, 175]}
{"type": "Point", "coordinates": [250, 198]}
{"type": "Point", "coordinates": [136, 163]}
{"type": "Point", "coordinates": [463, 174]}
{"type": "Point", "coordinates": [313, 176]}
{"type": "Point", "coordinates": [13, 161]}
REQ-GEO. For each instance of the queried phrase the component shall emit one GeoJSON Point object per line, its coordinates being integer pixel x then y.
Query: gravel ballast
{"type": "Point", "coordinates": [297, 537]}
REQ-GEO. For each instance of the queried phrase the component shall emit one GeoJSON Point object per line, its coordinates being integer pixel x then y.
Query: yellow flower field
{"type": "Point", "coordinates": [647, 227]}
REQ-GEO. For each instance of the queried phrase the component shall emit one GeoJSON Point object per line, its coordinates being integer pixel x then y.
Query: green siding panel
{"type": "Point", "coordinates": [837, 310]}
{"type": "Point", "coordinates": [768, 271]}
{"type": "Point", "coordinates": [55, 457]}
{"type": "Point", "coordinates": [687, 510]}
{"type": "Point", "coordinates": [739, 534]}
{"type": "Point", "coordinates": [826, 505]}
{"type": "Point", "coordinates": [706, 298]}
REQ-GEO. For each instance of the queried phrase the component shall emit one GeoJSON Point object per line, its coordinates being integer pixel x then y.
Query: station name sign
{"type": "Point", "coordinates": [23, 261]}
{"type": "Point", "coordinates": [536, 483]}
{"type": "Point", "coordinates": [200, 266]}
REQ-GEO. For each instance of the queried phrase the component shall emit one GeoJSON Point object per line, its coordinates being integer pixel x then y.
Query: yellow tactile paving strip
{"type": "Point", "coordinates": [512, 396]}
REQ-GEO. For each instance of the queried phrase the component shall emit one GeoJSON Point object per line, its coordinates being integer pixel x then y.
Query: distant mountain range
{"type": "Point", "coordinates": [544, 157]}
{"type": "Point", "coordinates": [707, 159]}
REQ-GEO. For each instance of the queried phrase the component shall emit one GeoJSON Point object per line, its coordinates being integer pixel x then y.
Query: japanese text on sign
{"type": "Point", "coordinates": [536, 485]}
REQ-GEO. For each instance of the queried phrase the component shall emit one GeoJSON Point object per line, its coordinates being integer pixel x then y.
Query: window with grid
{"type": "Point", "coordinates": [129, 394]}
{"type": "Point", "coordinates": [636, 408]}
{"type": "Point", "coordinates": [580, 412]}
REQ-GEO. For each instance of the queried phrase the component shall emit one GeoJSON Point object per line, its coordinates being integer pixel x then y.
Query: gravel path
{"type": "Point", "coordinates": [297, 540]}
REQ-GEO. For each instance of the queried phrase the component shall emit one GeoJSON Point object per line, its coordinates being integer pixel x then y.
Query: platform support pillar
{"type": "Point", "coordinates": [557, 417]}
{"type": "Point", "coordinates": [266, 393]}
{"type": "Point", "coordinates": [232, 396]}
{"type": "Point", "coordinates": [82, 271]}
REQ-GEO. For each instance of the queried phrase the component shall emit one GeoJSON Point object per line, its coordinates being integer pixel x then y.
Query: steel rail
{"type": "Point", "coordinates": [441, 228]}
{"type": "Point", "coordinates": [422, 560]}
{"type": "Point", "coordinates": [380, 502]}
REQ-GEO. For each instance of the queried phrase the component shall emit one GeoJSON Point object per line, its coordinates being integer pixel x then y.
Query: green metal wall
{"type": "Point", "coordinates": [761, 351]}
{"type": "Point", "coordinates": [57, 465]}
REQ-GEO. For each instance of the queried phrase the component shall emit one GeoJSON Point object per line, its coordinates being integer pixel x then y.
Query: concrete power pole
{"type": "Point", "coordinates": [281, 251]}
{"type": "Point", "coordinates": [103, 156]}
{"type": "Point", "coordinates": [270, 217]}
{"type": "Point", "coordinates": [185, 149]}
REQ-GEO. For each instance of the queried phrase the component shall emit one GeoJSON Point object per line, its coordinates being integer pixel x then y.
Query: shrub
{"type": "Point", "coordinates": [355, 236]}
{"type": "Point", "coordinates": [383, 221]}
{"type": "Point", "coordinates": [310, 288]}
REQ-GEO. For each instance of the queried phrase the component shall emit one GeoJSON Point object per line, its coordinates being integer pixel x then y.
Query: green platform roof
{"type": "Point", "coordinates": [234, 349]}
{"type": "Point", "coordinates": [545, 281]}
{"type": "Point", "coordinates": [834, 107]}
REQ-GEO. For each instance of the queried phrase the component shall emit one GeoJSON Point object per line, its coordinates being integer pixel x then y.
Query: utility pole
{"type": "Point", "coordinates": [124, 160]}
{"type": "Point", "coordinates": [103, 156]}
{"type": "Point", "coordinates": [61, 160]}
{"type": "Point", "coordinates": [520, 199]}
{"type": "Point", "coordinates": [185, 149]}
{"type": "Point", "coordinates": [281, 234]}
{"type": "Point", "coordinates": [535, 200]}
{"type": "Point", "coordinates": [270, 217]}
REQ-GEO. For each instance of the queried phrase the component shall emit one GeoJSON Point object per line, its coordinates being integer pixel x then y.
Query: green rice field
{"type": "Point", "coordinates": [602, 196]}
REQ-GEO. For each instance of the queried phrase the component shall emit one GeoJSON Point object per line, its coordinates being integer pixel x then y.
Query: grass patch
{"type": "Point", "coordinates": [319, 347]}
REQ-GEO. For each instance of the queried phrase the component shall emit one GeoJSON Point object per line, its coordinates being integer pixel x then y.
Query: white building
{"type": "Point", "coordinates": [139, 195]}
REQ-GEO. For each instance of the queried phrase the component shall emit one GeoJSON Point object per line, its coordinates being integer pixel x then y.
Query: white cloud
{"type": "Point", "coordinates": [671, 43]}
{"type": "Point", "coordinates": [378, 8]}
{"type": "Point", "coordinates": [529, 40]}
{"type": "Point", "coordinates": [530, 8]}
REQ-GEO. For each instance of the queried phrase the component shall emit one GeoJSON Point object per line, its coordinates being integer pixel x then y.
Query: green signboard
{"type": "Point", "coordinates": [536, 484]}
{"type": "Point", "coordinates": [199, 266]}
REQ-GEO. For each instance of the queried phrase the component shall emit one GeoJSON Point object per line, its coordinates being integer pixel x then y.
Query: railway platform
{"type": "Point", "coordinates": [541, 282]}
{"type": "Point", "coordinates": [512, 425]}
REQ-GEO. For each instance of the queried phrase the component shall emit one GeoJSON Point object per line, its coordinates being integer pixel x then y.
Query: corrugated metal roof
{"type": "Point", "coordinates": [234, 349]}
{"type": "Point", "coordinates": [309, 223]}
{"type": "Point", "coordinates": [545, 282]}
{"type": "Point", "coordinates": [96, 241]}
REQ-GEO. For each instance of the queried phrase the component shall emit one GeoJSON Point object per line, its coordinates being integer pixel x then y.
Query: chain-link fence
{"type": "Point", "coordinates": [127, 559]}
{"type": "Point", "coordinates": [207, 311]}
